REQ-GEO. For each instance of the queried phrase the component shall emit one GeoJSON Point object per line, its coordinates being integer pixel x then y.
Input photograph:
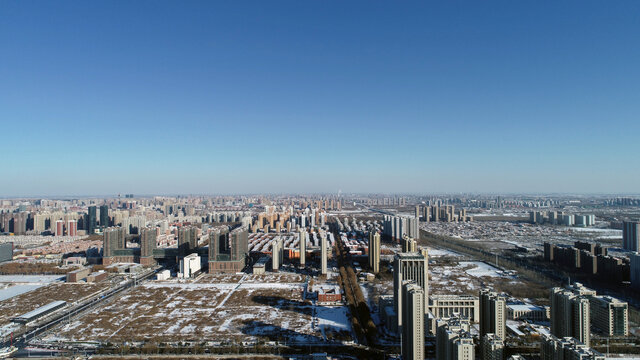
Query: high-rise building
{"type": "Point", "coordinates": [570, 315]}
{"type": "Point", "coordinates": [609, 315]}
{"type": "Point", "coordinates": [148, 242]}
{"type": "Point", "coordinates": [409, 266]}
{"type": "Point", "coordinates": [454, 340]}
{"type": "Point", "coordinates": [413, 330]}
{"type": "Point", "coordinates": [323, 252]}
{"type": "Point", "coordinates": [277, 253]}
{"type": "Point", "coordinates": [113, 239]}
{"type": "Point", "coordinates": [635, 270]}
{"type": "Point", "coordinates": [493, 314]}
{"type": "Point", "coordinates": [104, 216]}
{"type": "Point", "coordinates": [409, 244]}
{"type": "Point", "coordinates": [72, 227]}
{"type": "Point", "coordinates": [566, 348]}
{"type": "Point", "coordinates": [187, 239]}
{"type": "Point", "coordinates": [303, 246]}
{"type": "Point", "coordinates": [631, 235]}
{"type": "Point", "coordinates": [492, 347]}
{"type": "Point", "coordinates": [91, 223]}
{"type": "Point", "coordinates": [228, 250]}
{"type": "Point", "coordinates": [374, 251]}
{"type": "Point", "coordinates": [59, 227]}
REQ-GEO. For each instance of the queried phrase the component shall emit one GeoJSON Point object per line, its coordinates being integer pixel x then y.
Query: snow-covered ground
{"type": "Point", "coordinates": [43, 279]}
{"type": "Point", "coordinates": [442, 252]}
{"type": "Point", "coordinates": [480, 269]}
{"type": "Point", "coordinates": [14, 285]}
{"type": "Point", "coordinates": [15, 290]}
{"type": "Point", "coordinates": [243, 308]}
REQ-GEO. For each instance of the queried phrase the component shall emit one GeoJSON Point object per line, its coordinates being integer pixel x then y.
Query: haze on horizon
{"type": "Point", "coordinates": [287, 97]}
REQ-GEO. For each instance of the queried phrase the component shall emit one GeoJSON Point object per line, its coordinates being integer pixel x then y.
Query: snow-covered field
{"type": "Point", "coordinates": [14, 285]}
{"type": "Point", "coordinates": [14, 290]}
{"type": "Point", "coordinates": [242, 309]}
{"type": "Point", "coordinates": [479, 269]}
{"type": "Point", "coordinates": [443, 252]}
{"type": "Point", "coordinates": [42, 279]}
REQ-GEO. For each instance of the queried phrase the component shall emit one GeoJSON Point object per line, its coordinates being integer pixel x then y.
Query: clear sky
{"type": "Point", "coordinates": [107, 97]}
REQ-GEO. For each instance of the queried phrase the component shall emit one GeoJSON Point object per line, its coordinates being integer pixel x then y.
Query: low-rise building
{"type": "Point", "coordinates": [448, 306]}
{"type": "Point", "coordinates": [527, 312]}
{"type": "Point", "coordinates": [77, 275]}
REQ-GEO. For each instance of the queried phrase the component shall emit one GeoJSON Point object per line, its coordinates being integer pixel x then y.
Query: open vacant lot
{"type": "Point", "coordinates": [213, 308]}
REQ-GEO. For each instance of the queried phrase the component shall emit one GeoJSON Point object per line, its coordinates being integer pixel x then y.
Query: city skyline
{"type": "Point", "coordinates": [204, 98]}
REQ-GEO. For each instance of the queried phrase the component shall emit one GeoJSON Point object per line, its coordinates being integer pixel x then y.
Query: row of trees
{"type": "Point", "coordinates": [362, 323]}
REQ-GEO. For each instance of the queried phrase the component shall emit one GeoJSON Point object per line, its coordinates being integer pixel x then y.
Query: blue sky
{"type": "Point", "coordinates": [103, 97]}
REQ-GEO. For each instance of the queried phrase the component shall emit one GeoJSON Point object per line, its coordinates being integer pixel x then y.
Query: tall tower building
{"type": "Point", "coordinates": [72, 227]}
{"type": "Point", "coordinates": [303, 246]}
{"type": "Point", "coordinates": [59, 227]}
{"type": "Point", "coordinates": [187, 239]}
{"type": "Point", "coordinates": [409, 244]}
{"type": "Point", "coordinates": [323, 250]}
{"type": "Point", "coordinates": [409, 266]}
{"type": "Point", "coordinates": [374, 251]}
{"type": "Point", "coordinates": [493, 314]}
{"type": "Point", "coordinates": [147, 244]}
{"type": "Point", "coordinates": [104, 216]}
{"type": "Point", "coordinates": [277, 253]}
{"type": "Point", "coordinates": [413, 322]}
{"type": "Point", "coordinates": [631, 235]}
{"type": "Point", "coordinates": [113, 239]}
{"type": "Point", "coordinates": [570, 315]}
{"type": "Point", "coordinates": [635, 270]}
{"type": "Point", "coordinates": [91, 223]}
